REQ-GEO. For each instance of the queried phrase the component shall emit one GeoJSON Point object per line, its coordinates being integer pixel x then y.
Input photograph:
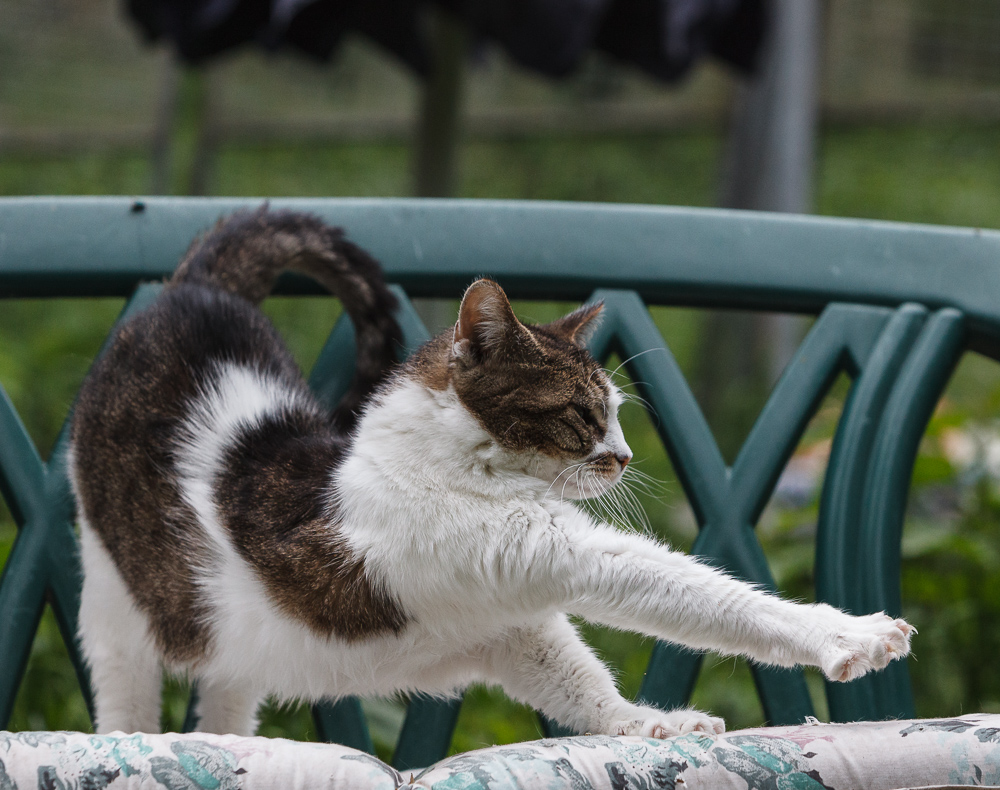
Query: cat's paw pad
{"type": "Point", "coordinates": [660, 725]}
{"type": "Point", "coordinates": [866, 644]}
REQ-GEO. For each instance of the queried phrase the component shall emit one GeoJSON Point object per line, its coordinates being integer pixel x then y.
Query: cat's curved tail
{"type": "Point", "coordinates": [245, 252]}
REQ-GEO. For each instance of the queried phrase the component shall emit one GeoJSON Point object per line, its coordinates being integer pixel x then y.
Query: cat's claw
{"type": "Point", "coordinates": [868, 643]}
{"type": "Point", "coordinates": [660, 725]}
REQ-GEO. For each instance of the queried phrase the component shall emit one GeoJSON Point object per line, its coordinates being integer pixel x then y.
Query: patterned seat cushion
{"type": "Point", "coordinates": [964, 751]}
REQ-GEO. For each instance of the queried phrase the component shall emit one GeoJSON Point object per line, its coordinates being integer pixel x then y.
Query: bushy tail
{"type": "Point", "coordinates": [245, 252]}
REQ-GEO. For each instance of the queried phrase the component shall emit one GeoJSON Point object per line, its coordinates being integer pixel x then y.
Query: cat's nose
{"type": "Point", "coordinates": [623, 460]}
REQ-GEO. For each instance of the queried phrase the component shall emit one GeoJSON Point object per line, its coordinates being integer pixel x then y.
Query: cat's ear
{"type": "Point", "coordinates": [578, 326]}
{"type": "Point", "coordinates": [486, 323]}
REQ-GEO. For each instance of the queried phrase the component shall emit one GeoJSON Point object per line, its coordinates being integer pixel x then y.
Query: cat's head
{"type": "Point", "coordinates": [538, 392]}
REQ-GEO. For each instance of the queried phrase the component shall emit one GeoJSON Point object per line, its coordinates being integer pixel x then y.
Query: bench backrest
{"type": "Point", "coordinates": [897, 305]}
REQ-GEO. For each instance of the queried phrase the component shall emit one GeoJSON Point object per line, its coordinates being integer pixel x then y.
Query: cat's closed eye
{"type": "Point", "coordinates": [589, 418]}
{"type": "Point", "coordinates": [577, 438]}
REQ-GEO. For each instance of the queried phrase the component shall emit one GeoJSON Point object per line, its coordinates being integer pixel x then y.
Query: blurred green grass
{"type": "Point", "coordinates": [939, 174]}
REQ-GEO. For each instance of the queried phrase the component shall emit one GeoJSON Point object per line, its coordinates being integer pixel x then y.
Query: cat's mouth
{"type": "Point", "coordinates": [609, 464]}
{"type": "Point", "coordinates": [596, 476]}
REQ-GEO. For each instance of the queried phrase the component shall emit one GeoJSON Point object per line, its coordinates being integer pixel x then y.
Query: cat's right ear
{"type": "Point", "coordinates": [486, 322]}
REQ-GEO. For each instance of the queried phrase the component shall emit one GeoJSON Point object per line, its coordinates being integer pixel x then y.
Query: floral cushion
{"type": "Point", "coordinates": [964, 751]}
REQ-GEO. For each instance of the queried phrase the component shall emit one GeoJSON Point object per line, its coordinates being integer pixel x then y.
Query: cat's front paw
{"type": "Point", "coordinates": [866, 644]}
{"type": "Point", "coordinates": [653, 723]}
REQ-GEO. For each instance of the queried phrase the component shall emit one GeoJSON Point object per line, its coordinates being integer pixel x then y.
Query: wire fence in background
{"type": "Point", "coordinates": [75, 74]}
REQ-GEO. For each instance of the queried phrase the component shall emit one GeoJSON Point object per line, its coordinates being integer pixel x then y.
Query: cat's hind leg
{"type": "Point", "coordinates": [549, 667]}
{"type": "Point", "coordinates": [225, 708]}
{"type": "Point", "coordinates": [125, 670]}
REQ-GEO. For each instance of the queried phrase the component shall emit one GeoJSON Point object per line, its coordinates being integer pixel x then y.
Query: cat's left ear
{"type": "Point", "coordinates": [578, 326]}
{"type": "Point", "coordinates": [487, 324]}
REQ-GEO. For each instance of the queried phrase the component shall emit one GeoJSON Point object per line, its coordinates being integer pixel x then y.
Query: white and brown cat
{"type": "Point", "coordinates": [422, 538]}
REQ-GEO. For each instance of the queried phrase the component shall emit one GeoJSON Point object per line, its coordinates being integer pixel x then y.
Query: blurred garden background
{"type": "Point", "coordinates": [908, 129]}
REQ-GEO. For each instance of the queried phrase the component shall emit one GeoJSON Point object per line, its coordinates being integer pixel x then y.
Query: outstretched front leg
{"type": "Point", "coordinates": [634, 583]}
{"type": "Point", "coordinates": [549, 667]}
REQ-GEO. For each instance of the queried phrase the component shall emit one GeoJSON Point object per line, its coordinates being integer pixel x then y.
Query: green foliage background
{"type": "Point", "coordinates": [940, 174]}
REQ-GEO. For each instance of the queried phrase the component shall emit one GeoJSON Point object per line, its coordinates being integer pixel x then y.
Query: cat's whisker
{"type": "Point", "coordinates": [636, 356]}
{"type": "Point", "coordinates": [570, 479]}
{"type": "Point", "coordinates": [582, 484]}
{"type": "Point", "coordinates": [556, 479]}
{"type": "Point", "coordinates": [636, 463]}
{"type": "Point", "coordinates": [574, 469]}
{"type": "Point", "coordinates": [634, 470]}
{"type": "Point", "coordinates": [610, 508]}
{"type": "Point", "coordinates": [597, 507]}
{"type": "Point", "coordinates": [620, 507]}
{"type": "Point", "coordinates": [631, 397]}
{"type": "Point", "coordinates": [638, 510]}
{"type": "Point", "coordinates": [620, 511]}
{"type": "Point", "coordinates": [620, 380]}
{"type": "Point", "coordinates": [649, 488]}
{"type": "Point", "coordinates": [635, 516]}
{"type": "Point", "coordinates": [610, 501]}
{"type": "Point", "coordinates": [646, 405]}
{"type": "Point", "coordinates": [650, 485]}
{"type": "Point", "coordinates": [611, 377]}
{"type": "Point", "coordinates": [630, 383]}
{"type": "Point", "coordinates": [596, 495]}
{"type": "Point", "coordinates": [639, 488]}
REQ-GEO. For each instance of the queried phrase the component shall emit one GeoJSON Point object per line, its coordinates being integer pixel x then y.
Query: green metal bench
{"type": "Point", "coordinates": [897, 306]}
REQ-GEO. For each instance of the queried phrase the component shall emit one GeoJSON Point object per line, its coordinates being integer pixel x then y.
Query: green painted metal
{"type": "Point", "coordinates": [896, 304]}
{"type": "Point", "coordinates": [43, 566]}
{"type": "Point", "coordinates": [753, 260]}
{"type": "Point", "coordinates": [844, 493]}
{"type": "Point", "coordinates": [343, 721]}
{"type": "Point", "coordinates": [426, 733]}
{"type": "Point", "coordinates": [553, 729]}
{"type": "Point", "coordinates": [190, 723]}
{"type": "Point", "coordinates": [863, 573]}
{"type": "Point", "coordinates": [22, 598]}
{"type": "Point", "coordinates": [21, 471]}
{"type": "Point", "coordinates": [916, 393]}
{"type": "Point", "coordinates": [840, 514]}
{"type": "Point", "coordinates": [728, 502]}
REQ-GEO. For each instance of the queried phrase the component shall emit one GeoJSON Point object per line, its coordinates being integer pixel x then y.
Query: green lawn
{"type": "Point", "coordinates": [940, 174]}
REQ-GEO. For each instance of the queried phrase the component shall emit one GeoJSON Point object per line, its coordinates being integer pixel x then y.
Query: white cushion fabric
{"type": "Point", "coordinates": [963, 751]}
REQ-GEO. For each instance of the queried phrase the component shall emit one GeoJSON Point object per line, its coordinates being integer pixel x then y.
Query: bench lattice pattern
{"type": "Point", "coordinates": [896, 306]}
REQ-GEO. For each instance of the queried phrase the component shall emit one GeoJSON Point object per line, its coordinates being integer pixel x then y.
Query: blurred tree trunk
{"type": "Point", "coordinates": [439, 124]}
{"type": "Point", "coordinates": [200, 125]}
{"type": "Point", "coordinates": [184, 137]}
{"type": "Point", "coordinates": [439, 129]}
{"type": "Point", "coordinates": [163, 128]}
{"type": "Point", "coordinates": [769, 166]}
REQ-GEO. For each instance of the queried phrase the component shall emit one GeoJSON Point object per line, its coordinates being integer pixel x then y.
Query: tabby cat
{"type": "Point", "coordinates": [423, 537]}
